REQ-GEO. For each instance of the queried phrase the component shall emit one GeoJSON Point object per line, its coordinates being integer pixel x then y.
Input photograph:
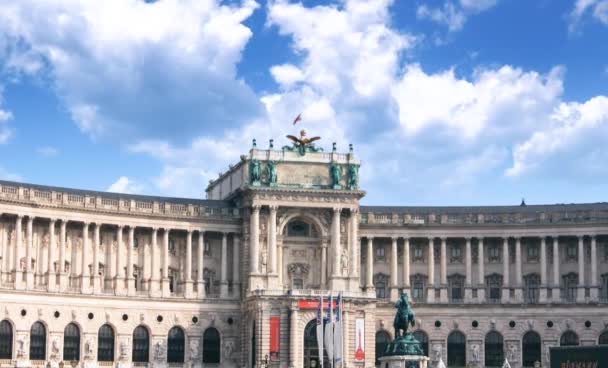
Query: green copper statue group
{"type": "Point", "coordinates": [405, 343]}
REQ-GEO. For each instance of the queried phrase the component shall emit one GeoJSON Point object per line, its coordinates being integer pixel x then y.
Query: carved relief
{"type": "Point", "coordinates": [193, 349]}
{"type": "Point", "coordinates": [124, 349]}
{"type": "Point", "coordinates": [159, 351]}
{"type": "Point", "coordinates": [512, 351]}
{"type": "Point", "coordinates": [229, 346]}
{"type": "Point", "coordinates": [475, 353]}
{"type": "Point", "coordinates": [344, 262]}
{"type": "Point", "coordinates": [55, 347]}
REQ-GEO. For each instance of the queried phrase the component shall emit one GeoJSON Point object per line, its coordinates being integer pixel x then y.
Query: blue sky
{"type": "Point", "coordinates": [447, 102]}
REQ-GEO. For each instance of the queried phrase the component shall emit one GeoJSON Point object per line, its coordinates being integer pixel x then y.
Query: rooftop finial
{"type": "Point", "coordinates": [523, 202]}
{"type": "Point", "coordinates": [271, 143]}
{"type": "Point", "coordinates": [350, 147]}
{"type": "Point", "coordinates": [333, 146]}
{"type": "Point", "coordinates": [254, 143]}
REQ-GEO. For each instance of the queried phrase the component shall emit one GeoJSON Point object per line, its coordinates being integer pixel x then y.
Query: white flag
{"type": "Point", "coordinates": [320, 331]}
{"type": "Point", "coordinates": [338, 343]}
{"type": "Point", "coordinates": [506, 364]}
{"type": "Point", "coordinates": [329, 332]}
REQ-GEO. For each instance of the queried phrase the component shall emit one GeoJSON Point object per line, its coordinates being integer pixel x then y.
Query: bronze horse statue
{"type": "Point", "coordinates": [404, 316]}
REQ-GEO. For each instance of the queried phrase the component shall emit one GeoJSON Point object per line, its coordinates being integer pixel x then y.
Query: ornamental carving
{"type": "Point", "coordinates": [298, 269]}
{"type": "Point", "coordinates": [475, 353]}
{"type": "Point", "coordinates": [512, 351]}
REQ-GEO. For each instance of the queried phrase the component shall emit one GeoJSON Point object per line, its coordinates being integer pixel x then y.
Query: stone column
{"type": "Point", "coordinates": [468, 293]}
{"type": "Point", "coordinates": [154, 289]}
{"type": "Point", "coordinates": [96, 243]}
{"type": "Point", "coordinates": [63, 277]}
{"type": "Point", "coordinates": [18, 272]}
{"type": "Point", "coordinates": [430, 295]}
{"type": "Point", "coordinates": [335, 245]}
{"type": "Point", "coordinates": [593, 282]}
{"type": "Point", "coordinates": [354, 249]}
{"type": "Point", "coordinates": [130, 278]}
{"type": "Point", "coordinates": [406, 265]}
{"type": "Point", "coordinates": [369, 272]}
{"type": "Point", "coordinates": [280, 260]}
{"type": "Point", "coordinates": [85, 275]}
{"type": "Point", "coordinates": [394, 284]}
{"type": "Point", "coordinates": [542, 295]}
{"type": "Point", "coordinates": [580, 297]}
{"type": "Point", "coordinates": [119, 284]}
{"type": "Point", "coordinates": [272, 241]}
{"type": "Point", "coordinates": [29, 245]}
{"type": "Point", "coordinates": [200, 268]}
{"type": "Point", "coordinates": [51, 276]}
{"type": "Point", "coordinates": [518, 276]}
{"type": "Point", "coordinates": [556, 276]}
{"type": "Point", "coordinates": [188, 284]}
{"type": "Point", "coordinates": [324, 264]}
{"type": "Point", "coordinates": [293, 337]}
{"type": "Point", "coordinates": [166, 291]}
{"type": "Point", "coordinates": [224, 268]}
{"type": "Point", "coordinates": [444, 270]}
{"type": "Point", "coordinates": [254, 248]}
{"type": "Point", "coordinates": [481, 276]}
{"type": "Point", "coordinates": [505, 271]}
{"type": "Point", "coordinates": [235, 266]}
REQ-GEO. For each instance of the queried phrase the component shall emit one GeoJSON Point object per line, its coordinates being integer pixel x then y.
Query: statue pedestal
{"type": "Point", "coordinates": [404, 361]}
{"type": "Point", "coordinates": [23, 364]}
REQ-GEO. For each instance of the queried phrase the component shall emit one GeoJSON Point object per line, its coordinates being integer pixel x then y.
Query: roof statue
{"type": "Point", "coordinates": [302, 144]}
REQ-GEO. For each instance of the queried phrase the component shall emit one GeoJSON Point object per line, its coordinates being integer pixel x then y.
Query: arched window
{"type": "Point", "coordinates": [211, 346]}
{"type": "Point", "coordinates": [38, 342]}
{"type": "Point", "coordinates": [494, 352]}
{"type": "Point", "coordinates": [71, 343]}
{"type": "Point", "coordinates": [311, 349]}
{"type": "Point", "coordinates": [6, 340]}
{"type": "Point", "coordinates": [603, 340]}
{"type": "Point", "coordinates": [457, 349]}
{"type": "Point", "coordinates": [531, 349]}
{"type": "Point", "coordinates": [105, 344]}
{"type": "Point", "coordinates": [382, 339]}
{"type": "Point", "coordinates": [569, 338]}
{"type": "Point", "coordinates": [141, 345]}
{"type": "Point", "coordinates": [423, 339]}
{"type": "Point", "coordinates": [299, 228]}
{"type": "Point", "coordinates": [175, 345]}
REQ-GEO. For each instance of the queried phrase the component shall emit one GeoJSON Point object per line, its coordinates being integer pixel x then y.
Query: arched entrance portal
{"type": "Point", "coordinates": [311, 350]}
{"type": "Point", "coordinates": [301, 261]}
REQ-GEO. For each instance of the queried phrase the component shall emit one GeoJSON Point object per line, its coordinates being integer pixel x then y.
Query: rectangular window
{"type": "Point", "coordinates": [532, 253]}
{"type": "Point", "coordinates": [380, 253]}
{"type": "Point", "coordinates": [380, 290]}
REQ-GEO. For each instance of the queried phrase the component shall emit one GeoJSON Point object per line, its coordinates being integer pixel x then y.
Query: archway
{"type": "Point", "coordinates": [301, 260]}
{"type": "Point", "coordinates": [38, 341]}
{"type": "Point", "coordinates": [105, 344]}
{"type": "Point", "coordinates": [494, 352]}
{"type": "Point", "coordinates": [531, 349]}
{"type": "Point", "coordinates": [311, 349]}
{"type": "Point", "coordinates": [457, 349]}
{"type": "Point", "coordinates": [176, 341]}
{"type": "Point", "coordinates": [423, 339]}
{"type": "Point", "coordinates": [211, 346]}
{"type": "Point", "coordinates": [71, 343]}
{"type": "Point", "coordinates": [141, 345]}
{"type": "Point", "coordinates": [382, 340]}
{"type": "Point", "coordinates": [6, 340]}
{"type": "Point", "coordinates": [603, 340]}
{"type": "Point", "coordinates": [569, 338]}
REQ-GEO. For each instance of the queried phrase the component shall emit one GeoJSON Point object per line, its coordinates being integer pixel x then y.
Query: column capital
{"type": "Point", "coordinates": [593, 236]}
{"type": "Point", "coordinates": [443, 238]}
{"type": "Point", "coordinates": [201, 231]}
{"type": "Point", "coordinates": [406, 238]}
{"type": "Point", "coordinates": [86, 223]}
{"type": "Point", "coordinates": [255, 207]}
{"type": "Point", "coordinates": [467, 238]}
{"type": "Point", "coordinates": [20, 216]}
{"type": "Point", "coordinates": [120, 226]}
{"type": "Point", "coordinates": [30, 218]}
{"type": "Point", "coordinates": [337, 210]}
{"type": "Point", "coordinates": [155, 229]}
{"type": "Point", "coordinates": [581, 237]}
{"type": "Point", "coordinates": [394, 238]}
{"type": "Point", "coordinates": [131, 228]}
{"type": "Point", "coordinates": [273, 207]}
{"type": "Point", "coordinates": [431, 238]}
{"type": "Point", "coordinates": [370, 238]}
{"type": "Point", "coordinates": [52, 219]}
{"type": "Point", "coordinates": [479, 238]}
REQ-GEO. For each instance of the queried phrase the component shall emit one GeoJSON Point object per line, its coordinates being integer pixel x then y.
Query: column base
{"type": "Point", "coordinates": [443, 295]}
{"type": "Point", "coordinates": [165, 290]}
{"type": "Point", "coordinates": [51, 282]}
{"type": "Point", "coordinates": [200, 289]}
{"type": "Point", "coordinates": [542, 295]}
{"type": "Point", "coordinates": [394, 293]}
{"type": "Point", "coordinates": [224, 289]}
{"type": "Point", "coordinates": [131, 286]}
{"type": "Point", "coordinates": [256, 282]}
{"type": "Point", "coordinates": [85, 285]}
{"type": "Point", "coordinates": [29, 280]}
{"type": "Point", "coordinates": [154, 289]}
{"type": "Point", "coordinates": [18, 277]}
{"type": "Point", "coordinates": [188, 289]}
{"type": "Point", "coordinates": [337, 283]}
{"type": "Point", "coordinates": [519, 295]}
{"type": "Point", "coordinates": [580, 295]}
{"type": "Point", "coordinates": [96, 285]}
{"type": "Point", "coordinates": [481, 295]}
{"type": "Point", "coordinates": [63, 281]}
{"type": "Point", "coordinates": [468, 294]}
{"type": "Point", "coordinates": [594, 292]}
{"type": "Point", "coordinates": [119, 286]}
{"type": "Point", "coordinates": [430, 295]}
{"type": "Point", "coordinates": [505, 296]}
{"type": "Point", "coordinates": [556, 295]}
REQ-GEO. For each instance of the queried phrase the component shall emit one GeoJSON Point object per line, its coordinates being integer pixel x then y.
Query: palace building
{"type": "Point", "coordinates": [95, 279]}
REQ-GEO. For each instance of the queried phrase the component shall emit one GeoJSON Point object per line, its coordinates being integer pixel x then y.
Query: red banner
{"type": "Point", "coordinates": [314, 304]}
{"type": "Point", "coordinates": [275, 331]}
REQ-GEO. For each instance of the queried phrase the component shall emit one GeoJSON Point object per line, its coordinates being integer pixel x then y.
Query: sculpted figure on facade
{"type": "Point", "coordinates": [89, 348]}
{"type": "Point", "coordinates": [124, 349]}
{"type": "Point", "coordinates": [55, 347]}
{"type": "Point", "coordinates": [159, 351]}
{"type": "Point", "coordinates": [437, 350]}
{"type": "Point", "coordinates": [336, 176]}
{"type": "Point", "coordinates": [254, 171]}
{"type": "Point", "coordinates": [193, 347]}
{"type": "Point", "coordinates": [21, 347]}
{"type": "Point", "coordinates": [512, 352]}
{"type": "Point", "coordinates": [475, 353]}
{"type": "Point", "coordinates": [228, 348]}
{"type": "Point", "coordinates": [344, 262]}
{"type": "Point", "coordinates": [272, 173]}
{"type": "Point", "coordinates": [353, 177]}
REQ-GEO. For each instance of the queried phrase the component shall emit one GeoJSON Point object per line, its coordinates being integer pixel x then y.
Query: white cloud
{"type": "Point", "coordinates": [286, 74]}
{"type": "Point", "coordinates": [598, 9]}
{"type": "Point", "coordinates": [47, 151]}
{"type": "Point", "coordinates": [125, 185]}
{"type": "Point", "coordinates": [127, 68]}
{"type": "Point", "coordinates": [6, 132]}
{"type": "Point", "coordinates": [454, 14]}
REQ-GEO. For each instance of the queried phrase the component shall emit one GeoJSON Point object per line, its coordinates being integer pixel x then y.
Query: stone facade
{"type": "Point", "coordinates": [165, 282]}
